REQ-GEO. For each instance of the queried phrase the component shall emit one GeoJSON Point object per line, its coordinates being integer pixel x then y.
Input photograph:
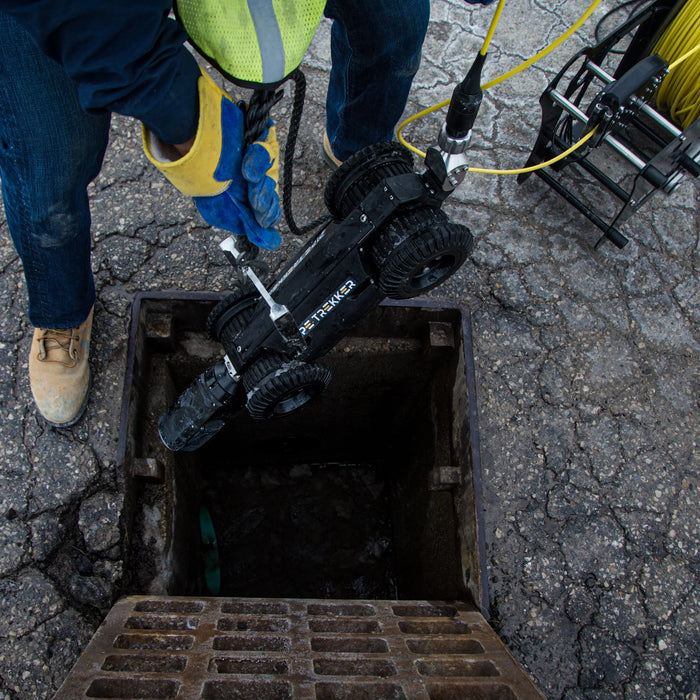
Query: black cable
{"type": "Point", "coordinates": [615, 10]}
{"type": "Point", "coordinates": [287, 177]}
{"type": "Point", "coordinates": [257, 115]}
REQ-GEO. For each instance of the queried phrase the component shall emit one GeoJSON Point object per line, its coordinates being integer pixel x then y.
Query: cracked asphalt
{"type": "Point", "coordinates": [587, 373]}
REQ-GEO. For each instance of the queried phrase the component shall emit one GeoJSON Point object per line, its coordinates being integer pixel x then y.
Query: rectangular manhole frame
{"type": "Point", "coordinates": [187, 308]}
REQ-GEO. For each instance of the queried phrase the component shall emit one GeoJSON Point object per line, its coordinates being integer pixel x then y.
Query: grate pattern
{"type": "Point", "coordinates": [280, 649]}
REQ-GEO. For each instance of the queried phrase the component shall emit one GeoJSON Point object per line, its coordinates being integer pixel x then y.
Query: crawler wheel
{"type": "Point", "coordinates": [418, 251]}
{"type": "Point", "coordinates": [362, 172]}
{"type": "Point", "coordinates": [277, 386]}
{"type": "Point", "coordinates": [231, 315]}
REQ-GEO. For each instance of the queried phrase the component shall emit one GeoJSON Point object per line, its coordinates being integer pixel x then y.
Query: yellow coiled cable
{"type": "Point", "coordinates": [679, 93]}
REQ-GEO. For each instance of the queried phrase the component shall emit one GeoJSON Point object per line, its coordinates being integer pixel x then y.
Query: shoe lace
{"type": "Point", "coordinates": [59, 345]}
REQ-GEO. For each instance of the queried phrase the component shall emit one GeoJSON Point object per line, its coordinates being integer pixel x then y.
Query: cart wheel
{"type": "Point", "coordinates": [277, 386]}
{"type": "Point", "coordinates": [418, 251]}
{"type": "Point", "coordinates": [362, 172]}
{"type": "Point", "coordinates": [231, 315]}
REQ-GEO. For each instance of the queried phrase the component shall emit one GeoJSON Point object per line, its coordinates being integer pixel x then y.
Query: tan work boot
{"type": "Point", "coordinates": [59, 373]}
{"type": "Point", "coordinates": [328, 156]}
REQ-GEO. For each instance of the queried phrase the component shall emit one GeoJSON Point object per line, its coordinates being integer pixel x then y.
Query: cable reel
{"type": "Point", "coordinates": [625, 93]}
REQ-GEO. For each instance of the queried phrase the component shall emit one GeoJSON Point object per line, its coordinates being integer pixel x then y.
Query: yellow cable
{"type": "Point", "coordinates": [548, 49]}
{"type": "Point", "coordinates": [492, 27]}
{"type": "Point", "coordinates": [679, 93]}
{"type": "Point", "coordinates": [418, 115]}
{"type": "Point", "coordinates": [539, 166]}
{"type": "Point", "coordinates": [445, 103]}
{"type": "Point", "coordinates": [495, 81]}
{"type": "Point", "coordinates": [680, 60]}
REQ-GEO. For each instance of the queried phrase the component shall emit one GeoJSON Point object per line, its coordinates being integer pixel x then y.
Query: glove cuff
{"type": "Point", "coordinates": [193, 174]}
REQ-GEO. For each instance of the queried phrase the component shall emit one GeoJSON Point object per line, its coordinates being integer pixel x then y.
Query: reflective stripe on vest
{"type": "Point", "coordinates": [269, 39]}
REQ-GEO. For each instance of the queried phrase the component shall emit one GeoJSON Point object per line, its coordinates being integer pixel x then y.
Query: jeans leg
{"type": "Point", "coordinates": [375, 50]}
{"type": "Point", "coordinates": [50, 149]}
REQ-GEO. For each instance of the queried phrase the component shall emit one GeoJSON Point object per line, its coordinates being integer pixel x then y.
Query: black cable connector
{"type": "Point", "coordinates": [465, 102]}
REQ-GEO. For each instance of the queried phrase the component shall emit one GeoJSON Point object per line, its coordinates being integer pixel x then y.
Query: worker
{"type": "Point", "coordinates": [66, 66]}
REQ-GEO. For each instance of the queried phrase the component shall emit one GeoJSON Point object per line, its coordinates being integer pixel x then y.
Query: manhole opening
{"type": "Point", "coordinates": [366, 492]}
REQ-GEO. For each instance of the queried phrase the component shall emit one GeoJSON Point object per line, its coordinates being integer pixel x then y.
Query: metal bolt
{"type": "Point", "coordinates": [363, 218]}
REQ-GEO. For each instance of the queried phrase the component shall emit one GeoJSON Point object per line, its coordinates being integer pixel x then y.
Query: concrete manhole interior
{"type": "Point", "coordinates": [366, 492]}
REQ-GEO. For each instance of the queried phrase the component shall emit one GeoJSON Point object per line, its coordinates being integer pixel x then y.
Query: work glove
{"type": "Point", "coordinates": [261, 171]}
{"type": "Point", "coordinates": [234, 191]}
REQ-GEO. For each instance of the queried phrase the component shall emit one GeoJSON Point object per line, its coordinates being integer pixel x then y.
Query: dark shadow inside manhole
{"type": "Point", "coordinates": [370, 491]}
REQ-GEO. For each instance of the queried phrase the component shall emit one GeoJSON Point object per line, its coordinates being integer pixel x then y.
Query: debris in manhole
{"type": "Point", "coordinates": [210, 552]}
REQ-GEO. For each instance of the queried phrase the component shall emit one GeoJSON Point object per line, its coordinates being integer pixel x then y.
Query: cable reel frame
{"type": "Point", "coordinates": [659, 152]}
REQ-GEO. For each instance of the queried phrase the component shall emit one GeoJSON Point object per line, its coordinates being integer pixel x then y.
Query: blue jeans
{"type": "Point", "coordinates": [375, 51]}
{"type": "Point", "coordinates": [50, 149]}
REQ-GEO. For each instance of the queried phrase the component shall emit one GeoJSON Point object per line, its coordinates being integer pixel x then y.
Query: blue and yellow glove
{"type": "Point", "coordinates": [261, 171]}
{"type": "Point", "coordinates": [233, 191]}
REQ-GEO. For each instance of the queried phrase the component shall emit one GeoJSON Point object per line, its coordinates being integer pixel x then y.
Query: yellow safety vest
{"type": "Point", "coordinates": [252, 42]}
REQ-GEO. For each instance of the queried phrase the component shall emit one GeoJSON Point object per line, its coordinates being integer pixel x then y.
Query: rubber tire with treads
{"type": "Point", "coordinates": [418, 251]}
{"type": "Point", "coordinates": [231, 315]}
{"type": "Point", "coordinates": [276, 385]}
{"type": "Point", "coordinates": [362, 172]}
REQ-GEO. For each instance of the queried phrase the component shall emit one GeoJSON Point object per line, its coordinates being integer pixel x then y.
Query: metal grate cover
{"type": "Point", "coordinates": [279, 649]}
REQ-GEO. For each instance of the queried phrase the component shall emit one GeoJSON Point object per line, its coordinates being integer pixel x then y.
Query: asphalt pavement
{"type": "Point", "coordinates": [587, 388]}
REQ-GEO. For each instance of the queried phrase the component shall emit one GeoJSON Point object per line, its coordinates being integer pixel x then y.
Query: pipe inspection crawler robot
{"type": "Point", "coordinates": [387, 235]}
{"type": "Point", "coordinates": [388, 238]}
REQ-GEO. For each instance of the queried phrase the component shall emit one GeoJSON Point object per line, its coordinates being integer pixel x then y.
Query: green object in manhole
{"type": "Point", "coordinates": [210, 552]}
